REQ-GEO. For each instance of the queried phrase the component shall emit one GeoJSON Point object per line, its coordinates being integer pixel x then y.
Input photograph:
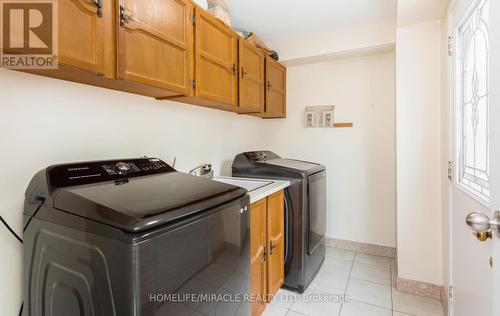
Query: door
{"type": "Point", "coordinates": [476, 150]}
{"type": "Point", "coordinates": [154, 43]}
{"type": "Point", "coordinates": [251, 79]}
{"type": "Point", "coordinates": [276, 89]}
{"type": "Point", "coordinates": [258, 255]}
{"type": "Point", "coordinates": [275, 242]}
{"type": "Point", "coordinates": [84, 31]}
{"type": "Point", "coordinates": [215, 60]}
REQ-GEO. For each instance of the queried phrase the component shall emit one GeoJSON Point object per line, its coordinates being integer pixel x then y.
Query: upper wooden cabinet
{"type": "Point", "coordinates": [251, 79]}
{"type": "Point", "coordinates": [85, 36]}
{"type": "Point", "coordinates": [166, 49]}
{"type": "Point", "coordinates": [275, 90]}
{"type": "Point", "coordinates": [154, 43]}
{"type": "Point", "coordinates": [215, 60]}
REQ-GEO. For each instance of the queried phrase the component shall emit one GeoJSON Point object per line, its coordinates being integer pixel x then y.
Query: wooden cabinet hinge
{"type": "Point", "coordinates": [193, 19]}
{"type": "Point", "coordinates": [193, 83]}
{"type": "Point", "coordinates": [98, 3]}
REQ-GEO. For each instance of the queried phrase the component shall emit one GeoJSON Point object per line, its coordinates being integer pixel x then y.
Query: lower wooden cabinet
{"type": "Point", "coordinates": [267, 264]}
{"type": "Point", "coordinates": [275, 242]}
{"type": "Point", "coordinates": [258, 255]}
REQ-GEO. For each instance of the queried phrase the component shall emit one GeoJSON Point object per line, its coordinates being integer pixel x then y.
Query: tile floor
{"type": "Point", "coordinates": [365, 279]}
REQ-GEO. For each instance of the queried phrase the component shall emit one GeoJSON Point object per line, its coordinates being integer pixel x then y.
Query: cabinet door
{"type": "Point", "coordinates": [251, 79]}
{"type": "Point", "coordinates": [275, 242]}
{"type": "Point", "coordinates": [83, 27]}
{"type": "Point", "coordinates": [258, 255]}
{"type": "Point", "coordinates": [215, 60]}
{"type": "Point", "coordinates": [154, 43]}
{"type": "Point", "coordinates": [276, 89]}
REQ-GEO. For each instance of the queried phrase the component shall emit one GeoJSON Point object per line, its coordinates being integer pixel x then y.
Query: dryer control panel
{"type": "Point", "coordinates": [261, 155]}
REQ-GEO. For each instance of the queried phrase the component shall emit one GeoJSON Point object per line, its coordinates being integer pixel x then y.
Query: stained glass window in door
{"type": "Point", "coordinates": [473, 105]}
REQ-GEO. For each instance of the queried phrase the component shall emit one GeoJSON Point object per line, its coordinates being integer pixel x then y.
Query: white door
{"type": "Point", "coordinates": [475, 28]}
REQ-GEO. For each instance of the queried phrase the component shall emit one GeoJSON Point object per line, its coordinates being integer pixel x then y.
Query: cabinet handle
{"type": "Point", "coordinates": [125, 16]}
{"type": "Point", "coordinates": [98, 3]}
{"type": "Point", "coordinates": [271, 247]}
{"type": "Point", "coordinates": [243, 73]}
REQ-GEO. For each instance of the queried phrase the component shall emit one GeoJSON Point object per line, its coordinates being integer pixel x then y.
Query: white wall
{"type": "Point", "coordinates": [419, 156]}
{"type": "Point", "coordinates": [45, 121]}
{"type": "Point", "coordinates": [360, 161]}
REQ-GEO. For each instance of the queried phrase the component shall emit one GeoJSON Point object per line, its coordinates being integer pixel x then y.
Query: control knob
{"type": "Point", "coordinates": [122, 167]}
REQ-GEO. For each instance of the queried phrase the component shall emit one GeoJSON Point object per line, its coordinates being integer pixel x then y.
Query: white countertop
{"type": "Point", "coordinates": [257, 188]}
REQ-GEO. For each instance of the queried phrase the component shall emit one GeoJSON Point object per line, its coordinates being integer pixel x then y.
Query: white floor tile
{"type": "Point", "coordinates": [369, 292]}
{"type": "Point", "coordinates": [416, 305]}
{"type": "Point", "coordinates": [292, 313]}
{"type": "Point", "coordinates": [215, 274]}
{"type": "Point", "coordinates": [214, 308]}
{"type": "Point", "coordinates": [394, 273]}
{"type": "Point", "coordinates": [273, 310]}
{"type": "Point", "coordinates": [315, 303]}
{"type": "Point", "coordinates": [238, 282]}
{"type": "Point", "coordinates": [244, 309]}
{"type": "Point", "coordinates": [373, 260]}
{"type": "Point", "coordinates": [196, 286]}
{"type": "Point", "coordinates": [377, 274]}
{"type": "Point", "coordinates": [284, 298]}
{"type": "Point", "coordinates": [354, 308]}
{"type": "Point", "coordinates": [336, 266]}
{"type": "Point", "coordinates": [394, 313]}
{"type": "Point", "coordinates": [340, 253]}
{"type": "Point", "coordinates": [176, 309]}
{"type": "Point", "coordinates": [329, 282]}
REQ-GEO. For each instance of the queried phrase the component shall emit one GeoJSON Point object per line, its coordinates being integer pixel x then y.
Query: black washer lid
{"type": "Point", "coordinates": [142, 203]}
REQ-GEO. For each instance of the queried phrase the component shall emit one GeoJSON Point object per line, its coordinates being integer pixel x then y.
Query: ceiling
{"type": "Point", "coordinates": [277, 19]}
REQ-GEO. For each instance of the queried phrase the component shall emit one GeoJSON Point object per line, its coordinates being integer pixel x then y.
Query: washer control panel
{"type": "Point", "coordinates": [99, 171]}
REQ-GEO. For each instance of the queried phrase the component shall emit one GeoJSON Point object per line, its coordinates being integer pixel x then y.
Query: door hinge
{"type": "Point", "coordinates": [234, 69]}
{"type": "Point", "coordinates": [194, 84]}
{"type": "Point", "coordinates": [451, 168]}
{"type": "Point", "coordinates": [193, 19]}
{"type": "Point", "coordinates": [450, 295]}
{"type": "Point", "coordinates": [98, 3]}
{"type": "Point", "coordinates": [125, 16]}
{"type": "Point", "coordinates": [264, 254]}
{"type": "Point", "coordinates": [450, 45]}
